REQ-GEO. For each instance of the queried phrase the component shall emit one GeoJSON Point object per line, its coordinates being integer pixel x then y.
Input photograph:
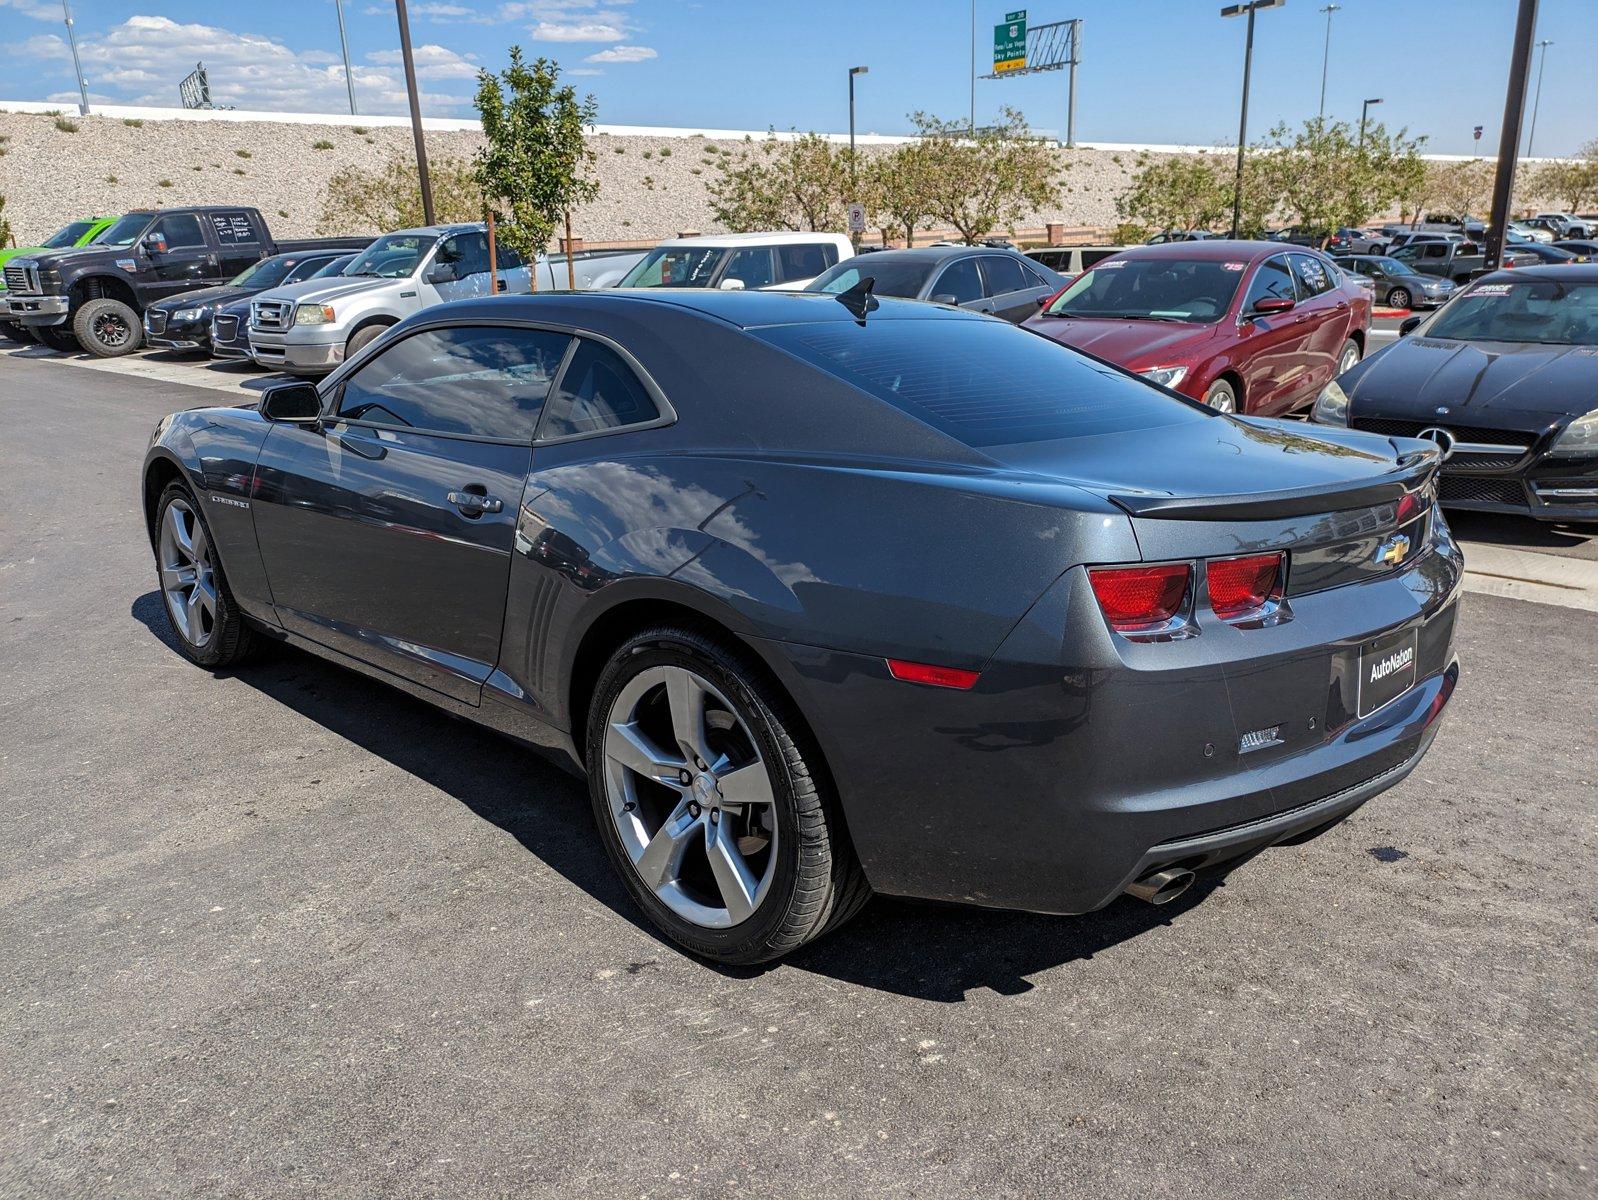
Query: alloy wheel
{"type": "Point", "coordinates": [1221, 400]}
{"type": "Point", "coordinates": [690, 796]}
{"type": "Point", "coordinates": [188, 580]}
{"type": "Point", "coordinates": [1350, 359]}
{"type": "Point", "coordinates": [110, 329]}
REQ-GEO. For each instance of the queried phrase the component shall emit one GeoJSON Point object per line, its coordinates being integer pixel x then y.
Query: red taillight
{"type": "Point", "coordinates": [1408, 506]}
{"type": "Point", "coordinates": [1239, 586]}
{"type": "Point", "coordinates": [1139, 598]}
{"type": "Point", "coordinates": [949, 677]}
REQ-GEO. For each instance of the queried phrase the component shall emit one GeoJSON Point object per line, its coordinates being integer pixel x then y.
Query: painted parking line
{"type": "Point", "coordinates": [241, 379]}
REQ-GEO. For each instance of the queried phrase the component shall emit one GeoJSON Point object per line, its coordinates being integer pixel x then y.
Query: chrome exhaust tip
{"type": "Point", "coordinates": [1161, 887]}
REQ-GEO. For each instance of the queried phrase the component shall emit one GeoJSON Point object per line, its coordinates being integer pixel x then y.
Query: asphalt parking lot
{"type": "Point", "coordinates": [287, 932]}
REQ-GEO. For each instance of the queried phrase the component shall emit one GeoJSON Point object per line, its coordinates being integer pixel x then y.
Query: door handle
{"type": "Point", "coordinates": [475, 503]}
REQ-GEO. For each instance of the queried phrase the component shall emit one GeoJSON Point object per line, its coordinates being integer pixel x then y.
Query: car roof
{"type": "Point", "coordinates": [933, 254]}
{"type": "Point", "coordinates": [1212, 250]}
{"type": "Point", "coordinates": [1564, 272]}
{"type": "Point", "coordinates": [743, 309]}
{"type": "Point", "coordinates": [721, 241]}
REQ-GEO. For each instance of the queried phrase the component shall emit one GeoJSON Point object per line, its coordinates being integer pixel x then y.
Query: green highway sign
{"type": "Point", "coordinates": [1009, 43]}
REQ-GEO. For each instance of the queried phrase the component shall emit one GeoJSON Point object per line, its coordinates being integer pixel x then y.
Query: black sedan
{"type": "Point", "coordinates": [183, 322]}
{"type": "Point", "coordinates": [829, 595]}
{"type": "Point", "coordinates": [1505, 379]}
{"type": "Point", "coordinates": [976, 278]}
{"type": "Point", "coordinates": [230, 320]}
{"type": "Point", "coordinates": [1397, 284]}
{"type": "Point", "coordinates": [1584, 250]}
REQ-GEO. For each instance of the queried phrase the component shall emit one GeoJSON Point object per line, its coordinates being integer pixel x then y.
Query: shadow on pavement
{"type": "Point", "coordinates": [1524, 533]}
{"type": "Point", "coordinates": [927, 951]}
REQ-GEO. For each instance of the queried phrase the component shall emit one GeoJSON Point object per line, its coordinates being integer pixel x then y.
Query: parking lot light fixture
{"type": "Point", "coordinates": [1237, 10]}
{"type": "Point", "coordinates": [1326, 55]}
{"type": "Point", "coordinates": [854, 174]}
{"type": "Point", "coordinates": [1364, 112]}
{"type": "Point", "coordinates": [1537, 99]}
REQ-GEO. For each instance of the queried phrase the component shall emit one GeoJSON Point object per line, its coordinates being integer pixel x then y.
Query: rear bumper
{"type": "Point", "coordinates": [1078, 764]}
{"type": "Point", "coordinates": [38, 310]}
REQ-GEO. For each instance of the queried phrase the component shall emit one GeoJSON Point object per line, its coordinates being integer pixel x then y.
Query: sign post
{"type": "Point", "coordinates": [195, 88]}
{"type": "Point", "coordinates": [857, 217]}
{"type": "Point", "coordinates": [1009, 43]}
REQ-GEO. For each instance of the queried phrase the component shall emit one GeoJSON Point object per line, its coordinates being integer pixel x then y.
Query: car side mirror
{"type": "Point", "coordinates": [292, 404]}
{"type": "Point", "coordinates": [1266, 305]}
{"type": "Point", "coordinates": [443, 272]}
{"type": "Point", "coordinates": [1409, 326]}
{"type": "Point", "coordinates": [732, 285]}
{"type": "Point", "coordinates": [948, 298]}
{"type": "Point", "coordinates": [155, 243]}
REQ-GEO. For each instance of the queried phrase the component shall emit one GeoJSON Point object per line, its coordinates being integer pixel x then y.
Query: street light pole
{"type": "Point", "coordinates": [973, 67]}
{"type": "Point", "coordinates": [1509, 133]}
{"type": "Point", "coordinates": [344, 45]}
{"type": "Point", "coordinates": [1326, 56]}
{"type": "Point", "coordinates": [1538, 98]}
{"type": "Point", "coordinates": [854, 171]}
{"type": "Point", "coordinates": [1363, 112]}
{"type": "Point", "coordinates": [416, 111]}
{"type": "Point", "coordinates": [1234, 10]}
{"type": "Point", "coordinates": [77, 68]}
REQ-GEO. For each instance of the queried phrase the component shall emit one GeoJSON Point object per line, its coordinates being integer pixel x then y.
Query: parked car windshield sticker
{"type": "Point", "coordinates": [1492, 289]}
{"type": "Point", "coordinates": [1234, 266]}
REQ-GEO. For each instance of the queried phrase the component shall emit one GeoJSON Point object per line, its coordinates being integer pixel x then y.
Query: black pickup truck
{"type": "Point", "coordinates": [1454, 259]}
{"type": "Point", "coordinates": [94, 297]}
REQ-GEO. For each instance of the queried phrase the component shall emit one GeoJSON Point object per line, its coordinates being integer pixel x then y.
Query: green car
{"type": "Point", "coordinates": [68, 237]}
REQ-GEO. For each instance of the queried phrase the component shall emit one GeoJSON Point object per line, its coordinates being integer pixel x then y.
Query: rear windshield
{"type": "Point", "coordinates": [1533, 310]}
{"type": "Point", "coordinates": [1152, 289]}
{"type": "Point", "coordinates": [891, 278]}
{"type": "Point", "coordinates": [985, 383]}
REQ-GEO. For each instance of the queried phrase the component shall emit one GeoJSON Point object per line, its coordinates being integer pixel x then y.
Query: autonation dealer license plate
{"type": "Point", "coordinates": [1386, 669]}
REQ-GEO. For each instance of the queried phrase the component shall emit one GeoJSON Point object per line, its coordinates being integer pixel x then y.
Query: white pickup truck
{"type": "Point", "coordinates": [311, 327]}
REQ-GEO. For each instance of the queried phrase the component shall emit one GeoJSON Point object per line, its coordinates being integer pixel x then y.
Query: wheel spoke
{"type": "Point", "coordinates": [200, 545]}
{"type": "Point", "coordinates": [628, 745]}
{"type": "Point", "coordinates": [205, 596]}
{"type": "Point", "coordinates": [193, 617]}
{"type": "Point", "coordinates": [180, 576]}
{"type": "Point", "coordinates": [661, 860]}
{"type": "Point", "coordinates": [687, 701]}
{"type": "Point", "coordinates": [181, 540]}
{"type": "Point", "coordinates": [733, 878]}
{"type": "Point", "coordinates": [747, 785]}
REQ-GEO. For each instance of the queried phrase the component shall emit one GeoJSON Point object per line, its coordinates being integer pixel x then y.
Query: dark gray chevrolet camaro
{"type": "Point", "coordinates": [829, 596]}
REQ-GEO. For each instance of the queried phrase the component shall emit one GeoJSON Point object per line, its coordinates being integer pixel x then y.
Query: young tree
{"type": "Point", "coordinates": [1461, 188]}
{"type": "Point", "coordinates": [1328, 177]}
{"type": "Point", "coordinates": [5, 225]}
{"type": "Point", "coordinates": [894, 189]}
{"type": "Point", "coordinates": [980, 182]}
{"type": "Point", "coordinates": [1181, 192]}
{"type": "Point", "coordinates": [389, 196]}
{"type": "Point", "coordinates": [797, 183]}
{"type": "Point", "coordinates": [535, 163]}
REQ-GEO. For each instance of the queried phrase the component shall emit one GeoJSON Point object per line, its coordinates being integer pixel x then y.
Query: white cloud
{"type": "Point", "coordinates": [583, 71]}
{"type": "Point", "coordinates": [145, 56]}
{"type": "Point", "coordinates": [45, 45]}
{"type": "Point", "coordinates": [443, 12]}
{"type": "Point", "coordinates": [432, 62]}
{"type": "Point", "coordinates": [622, 54]}
{"type": "Point", "coordinates": [39, 10]}
{"type": "Point", "coordinates": [575, 31]}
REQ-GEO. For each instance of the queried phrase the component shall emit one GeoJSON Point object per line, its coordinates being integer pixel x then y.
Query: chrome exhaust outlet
{"type": "Point", "coordinates": [1161, 887]}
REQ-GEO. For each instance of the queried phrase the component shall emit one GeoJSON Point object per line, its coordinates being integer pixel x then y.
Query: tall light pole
{"type": "Point", "coordinates": [77, 68]}
{"type": "Point", "coordinates": [854, 172]}
{"type": "Point", "coordinates": [1509, 132]}
{"type": "Point", "coordinates": [416, 111]}
{"type": "Point", "coordinates": [344, 44]}
{"type": "Point", "coordinates": [1326, 55]}
{"type": "Point", "coordinates": [1236, 10]}
{"type": "Point", "coordinates": [1538, 98]}
{"type": "Point", "coordinates": [1363, 112]}
{"type": "Point", "coordinates": [973, 67]}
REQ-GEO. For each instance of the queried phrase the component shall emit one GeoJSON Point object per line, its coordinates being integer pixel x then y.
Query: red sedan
{"type": "Point", "coordinates": [1252, 327]}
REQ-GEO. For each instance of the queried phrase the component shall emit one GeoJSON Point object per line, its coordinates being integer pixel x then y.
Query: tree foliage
{"type": "Point", "coordinates": [1182, 192]}
{"type": "Point", "coordinates": [979, 183]}
{"type": "Point", "coordinates": [535, 164]}
{"type": "Point", "coordinates": [389, 196]}
{"type": "Point", "coordinates": [5, 225]}
{"type": "Point", "coordinates": [798, 183]}
{"type": "Point", "coordinates": [894, 188]}
{"type": "Point", "coordinates": [1570, 183]}
{"type": "Point", "coordinates": [1460, 189]}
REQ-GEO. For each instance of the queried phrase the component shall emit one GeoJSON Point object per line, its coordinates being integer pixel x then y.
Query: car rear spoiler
{"type": "Point", "coordinates": [1417, 462]}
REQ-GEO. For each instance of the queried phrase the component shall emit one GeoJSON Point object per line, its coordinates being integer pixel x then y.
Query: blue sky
{"type": "Point", "coordinates": [1152, 71]}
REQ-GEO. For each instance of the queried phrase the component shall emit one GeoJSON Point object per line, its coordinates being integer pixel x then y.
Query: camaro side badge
{"type": "Point", "coordinates": [1392, 551]}
{"type": "Point", "coordinates": [215, 499]}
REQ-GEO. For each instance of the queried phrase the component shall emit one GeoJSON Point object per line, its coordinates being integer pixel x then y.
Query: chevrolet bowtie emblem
{"type": "Point", "coordinates": [1393, 551]}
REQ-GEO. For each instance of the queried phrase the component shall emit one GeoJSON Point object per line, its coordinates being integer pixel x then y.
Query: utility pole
{"type": "Point", "coordinates": [416, 111]}
{"type": "Point", "coordinates": [1234, 10]}
{"type": "Point", "coordinates": [1538, 98]}
{"type": "Point", "coordinates": [1509, 135]}
{"type": "Point", "coordinates": [344, 44]}
{"type": "Point", "coordinates": [1326, 56]}
{"type": "Point", "coordinates": [77, 67]}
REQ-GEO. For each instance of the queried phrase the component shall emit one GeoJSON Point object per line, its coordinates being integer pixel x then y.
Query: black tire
{"type": "Point", "coordinates": [232, 641]}
{"type": "Point", "coordinates": [362, 338]}
{"type": "Point", "coordinates": [14, 332]}
{"type": "Point", "coordinates": [1222, 396]}
{"type": "Point", "coordinates": [817, 884]}
{"type": "Point", "coordinates": [108, 328]}
{"type": "Point", "coordinates": [56, 337]}
{"type": "Point", "coordinates": [1399, 297]}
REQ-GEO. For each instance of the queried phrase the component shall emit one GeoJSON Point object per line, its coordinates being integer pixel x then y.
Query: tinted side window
{"type": "Point", "coordinates": [1271, 280]}
{"type": "Point", "coordinates": [804, 262]}
{"type": "Point", "coordinates": [598, 391]}
{"type": "Point", "coordinates": [752, 265]}
{"type": "Point", "coordinates": [180, 230]}
{"type": "Point", "coordinates": [305, 269]}
{"type": "Point", "coordinates": [234, 228]}
{"type": "Point", "coordinates": [1003, 274]}
{"type": "Point", "coordinates": [960, 280]}
{"type": "Point", "coordinates": [480, 380]}
{"type": "Point", "coordinates": [469, 252]}
{"type": "Point", "coordinates": [1313, 277]}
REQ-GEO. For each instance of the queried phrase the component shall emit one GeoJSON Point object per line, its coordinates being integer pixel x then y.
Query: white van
{"type": "Point", "coordinates": [784, 262]}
